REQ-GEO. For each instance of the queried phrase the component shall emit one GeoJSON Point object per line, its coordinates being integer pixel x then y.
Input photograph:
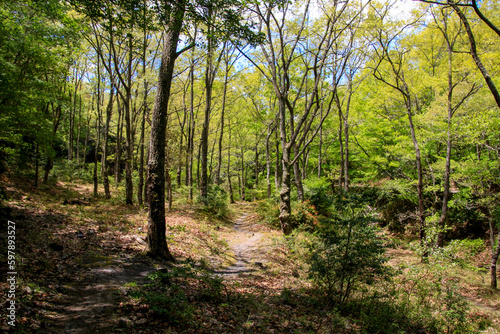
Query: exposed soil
{"type": "Point", "coordinates": [91, 305]}
{"type": "Point", "coordinates": [248, 246]}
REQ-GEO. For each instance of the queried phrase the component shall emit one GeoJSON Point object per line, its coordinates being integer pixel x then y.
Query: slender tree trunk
{"type": "Point", "coordinates": [56, 112]}
{"type": "Point", "coordinates": [208, 108]}
{"type": "Point", "coordinates": [231, 194]}
{"type": "Point", "coordinates": [71, 130]}
{"type": "Point", "coordinates": [156, 238]}
{"type": "Point", "coordinates": [474, 54]}
{"type": "Point", "coordinates": [140, 186]}
{"type": "Point", "coordinates": [129, 145]}
{"type": "Point", "coordinates": [118, 144]}
{"type": "Point", "coordinates": [87, 134]}
{"type": "Point", "coordinates": [221, 135]}
{"type": "Point", "coordinates": [285, 215]}
{"type": "Point", "coordinates": [109, 112]}
{"type": "Point", "coordinates": [169, 187]}
{"type": "Point", "coordinates": [182, 147]}
{"type": "Point", "coordinates": [420, 184]}
{"type": "Point", "coordinates": [243, 175]}
{"type": "Point", "coordinates": [198, 167]}
{"type": "Point", "coordinates": [78, 133]}
{"type": "Point", "coordinates": [98, 129]}
{"type": "Point", "coordinates": [189, 174]}
{"type": "Point", "coordinates": [341, 144]}
{"type": "Point", "coordinates": [277, 171]}
{"type": "Point", "coordinates": [495, 252]}
{"type": "Point", "coordinates": [446, 194]}
{"type": "Point", "coordinates": [37, 154]}
{"type": "Point", "coordinates": [346, 153]}
{"type": "Point", "coordinates": [298, 175]}
{"type": "Point", "coordinates": [320, 148]}
{"type": "Point", "coordinates": [268, 161]}
{"type": "Point", "coordinates": [256, 165]}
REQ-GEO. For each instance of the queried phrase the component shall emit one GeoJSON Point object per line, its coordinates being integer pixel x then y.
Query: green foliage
{"type": "Point", "coordinates": [70, 170]}
{"type": "Point", "coordinates": [349, 253]}
{"type": "Point", "coordinates": [396, 202]}
{"type": "Point", "coordinates": [216, 202]}
{"type": "Point", "coordinates": [461, 252]}
{"type": "Point", "coordinates": [304, 214]}
{"type": "Point", "coordinates": [316, 190]}
{"type": "Point", "coordinates": [428, 295]}
{"type": "Point", "coordinates": [269, 212]}
{"type": "Point", "coordinates": [168, 294]}
{"type": "Point", "coordinates": [37, 38]}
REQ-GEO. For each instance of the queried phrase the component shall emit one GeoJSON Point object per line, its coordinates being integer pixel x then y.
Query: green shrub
{"type": "Point", "coordinates": [216, 202]}
{"type": "Point", "coordinates": [428, 296]}
{"type": "Point", "coordinates": [269, 211]}
{"type": "Point", "coordinates": [349, 253]}
{"type": "Point", "coordinates": [304, 214]}
{"type": "Point", "coordinates": [316, 191]}
{"type": "Point", "coordinates": [397, 202]}
{"type": "Point", "coordinates": [462, 251]}
{"type": "Point", "coordinates": [167, 291]}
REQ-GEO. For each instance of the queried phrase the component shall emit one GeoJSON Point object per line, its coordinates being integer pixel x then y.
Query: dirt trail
{"type": "Point", "coordinates": [90, 306]}
{"type": "Point", "coordinates": [248, 247]}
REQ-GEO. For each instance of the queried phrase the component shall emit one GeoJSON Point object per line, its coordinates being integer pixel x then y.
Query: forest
{"type": "Point", "coordinates": [248, 166]}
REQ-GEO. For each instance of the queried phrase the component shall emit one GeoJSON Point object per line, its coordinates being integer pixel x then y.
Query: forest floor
{"type": "Point", "coordinates": [81, 269]}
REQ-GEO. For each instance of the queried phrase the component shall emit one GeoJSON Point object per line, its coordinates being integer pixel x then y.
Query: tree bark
{"type": "Point", "coordinates": [118, 149]}
{"type": "Point", "coordinates": [156, 238]}
{"type": "Point", "coordinates": [231, 193]}
{"type": "Point", "coordinates": [495, 252]}
{"type": "Point", "coordinates": [109, 112]}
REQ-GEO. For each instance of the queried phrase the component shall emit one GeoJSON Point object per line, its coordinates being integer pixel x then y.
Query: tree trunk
{"type": "Point", "coordinates": [109, 112]}
{"type": "Point", "coordinates": [98, 128]}
{"type": "Point", "coordinates": [420, 185]}
{"type": "Point", "coordinates": [129, 145]}
{"type": "Point", "coordinates": [243, 177]}
{"type": "Point", "coordinates": [446, 194]}
{"type": "Point", "coordinates": [71, 130]}
{"type": "Point", "coordinates": [189, 173]}
{"type": "Point", "coordinates": [156, 238]}
{"type": "Point", "coordinates": [140, 186]}
{"type": "Point", "coordinates": [256, 165]}
{"type": "Point", "coordinates": [268, 161]}
{"type": "Point", "coordinates": [474, 54]}
{"type": "Point", "coordinates": [56, 118]}
{"type": "Point", "coordinates": [231, 194]}
{"type": "Point", "coordinates": [285, 215]}
{"type": "Point", "coordinates": [118, 144]}
{"type": "Point", "coordinates": [37, 153]}
{"type": "Point", "coordinates": [346, 153]}
{"type": "Point", "coordinates": [341, 144]}
{"type": "Point", "coordinates": [277, 171]}
{"type": "Point", "coordinates": [298, 175]}
{"type": "Point", "coordinates": [320, 148]}
{"type": "Point", "coordinates": [495, 252]}
{"type": "Point", "coordinates": [208, 108]}
{"type": "Point", "coordinates": [78, 132]}
{"type": "Point", "coordinates": [221, 136]}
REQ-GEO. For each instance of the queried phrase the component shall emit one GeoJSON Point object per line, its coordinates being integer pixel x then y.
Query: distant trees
{"type": "Point", "coordinates": [268, 95]}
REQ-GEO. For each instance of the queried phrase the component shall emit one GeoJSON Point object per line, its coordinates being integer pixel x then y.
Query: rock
{"type": "Point", "coordinates": [28, 290]}
{"type": "Point", "coordinates": [141, 321]}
